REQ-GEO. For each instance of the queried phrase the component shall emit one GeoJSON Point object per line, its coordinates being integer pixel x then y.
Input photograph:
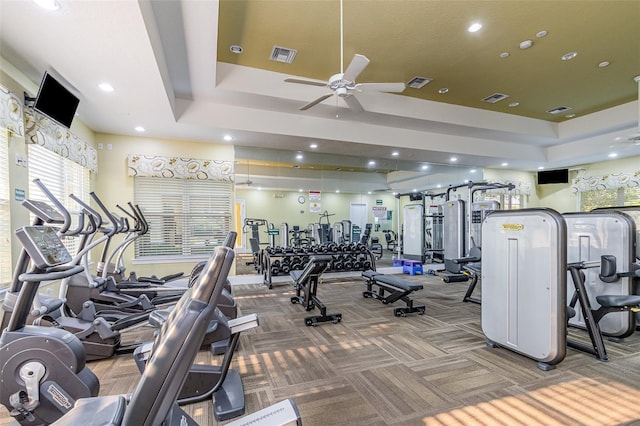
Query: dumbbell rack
{"type": "Point", "coordinates": [346, 257]}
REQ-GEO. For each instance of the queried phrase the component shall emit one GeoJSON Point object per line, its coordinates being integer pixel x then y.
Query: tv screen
{"type": "Point", "coordinates": [56, 101]}
{"type": "Point", "coordinates": [553, 176]}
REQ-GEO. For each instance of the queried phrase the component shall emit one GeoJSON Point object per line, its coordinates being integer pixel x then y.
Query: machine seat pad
{"type": "Point", "coordinates": [397, 282]}
{"type": "Point", "coordinates": [98, 411]}
{"type": "Point", "coordinates": [618, 301]}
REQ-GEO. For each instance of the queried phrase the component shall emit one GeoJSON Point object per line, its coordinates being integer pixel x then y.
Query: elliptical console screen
{"type": "Point", "coordinates": [43, 246]}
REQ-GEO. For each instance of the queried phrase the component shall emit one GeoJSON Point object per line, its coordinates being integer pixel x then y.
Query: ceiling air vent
{"type": "Point", "coordinates": [558, 110]}
{"type": "Point", "coordinates": [282, 54]}
{"type": "Point", "coordinates": [496, 97]}
{"type": "Point", "coordinates": [418, 82]}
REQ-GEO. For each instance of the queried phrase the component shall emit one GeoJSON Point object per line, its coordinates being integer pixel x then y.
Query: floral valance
{"type": "Point", "coordinates": [45, 132]}
{"type": "Point", "coordinates": [11, 112]}
{"type": "Point", "coordinates": [180, 168]}
{"type": "Point", "coordinates": [610, 181]}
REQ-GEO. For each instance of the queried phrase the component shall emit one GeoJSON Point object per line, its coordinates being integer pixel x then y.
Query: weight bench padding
{"type": "Point", "coordinates": [397, 288]}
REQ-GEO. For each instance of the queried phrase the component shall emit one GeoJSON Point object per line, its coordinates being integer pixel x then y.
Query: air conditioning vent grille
{"type": "Point", "coordinates": [283, 54]}
{"type": "Point", "coordinates": [496, 97]}
{"type": "Point", "coordinates": [418, 82]}
{"type": "Point", "coordinates": [559, 110]}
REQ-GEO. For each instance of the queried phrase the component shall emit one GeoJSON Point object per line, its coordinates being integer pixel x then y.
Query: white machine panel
{"type": "Point", "coordinates": [524, 282]}
{"type": "Point", "coordinates": [589, 236]}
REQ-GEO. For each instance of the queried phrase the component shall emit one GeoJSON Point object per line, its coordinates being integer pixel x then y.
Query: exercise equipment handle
{"type": "Point", "coordinates": [61, 208]}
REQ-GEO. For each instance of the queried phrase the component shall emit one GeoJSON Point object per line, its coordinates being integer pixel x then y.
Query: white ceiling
{"type": "Point", "coordinates": [161, 58]}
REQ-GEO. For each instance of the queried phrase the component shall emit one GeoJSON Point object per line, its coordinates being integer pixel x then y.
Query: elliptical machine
{"type": "Point", "coordinates": [42, 369]}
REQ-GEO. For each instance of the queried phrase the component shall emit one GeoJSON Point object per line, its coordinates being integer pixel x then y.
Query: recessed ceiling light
{"type": "Point", "coordinates": [472, 171]}
{"type": "Point", "coordinates": [313, 145]}
{"type": "Point", "coordinates": [259, 188]}
{"type": "Point", "coordinates": [504, 55]}
{"type": "Point", "coordinates": [372, 163]}
{"type": "Point", "coordinates": [299, 190]}
{"type": "Point", "coordinates": [540, 167]}
{"type": "Point", "coordinates": [569, 56]}
{"type": "Point", "coordinates": [526, 44]}
{"type": "Point", "coordinates": [337, 191]}
{"type": "Point", "coordinates": [504, 164]}
{"type": "Point", "coordinates": [415, 190]}
{"type": "Point", "coordinates": [475, 27]}
{"type": "Point", "coordinates": [369, 192]}
{"type": "Point", "coordinates": [438, 186]}
{"type": "Point", "coordinates": [570, 115]}
{"type": "Point", "coordinates": [424, 167]}
{"type": "Point", "coordinates": [299, 157]}
{"type": "Point", "coordinates": [443, 90]}
{"type": "Point", "coordinates": [514, 104]}
{"type": "Point", "coordinates": [613, 155]}
{"type": "Point", "coordinates": [453, 159]}
{"type": "Point", "coordinates": [139, 129]}
{"type": "Point", "coordinates": [227, 138]}
{"type": "Point", "coordinates": [48, 4]}
{"type": "Point", "coordinates": [395, 153]}
{"type": "Point", "coordinates": [603, 64]}
{"type": "Point", "coordinates": [394, 193]}
{"type": "Point", "coordinates": [466, 181]}
{"type": "Point", "coordinates": [106, 87]}
{"type": "Point", "coordinates": [542, 33]}
{"type": "Point", "coordinates": [234, 48]}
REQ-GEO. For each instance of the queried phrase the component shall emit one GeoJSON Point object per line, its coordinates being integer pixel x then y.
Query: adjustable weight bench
{"type": "Point", "coordinates": [305, 282]}
{"type": "Point", "coordinates": [397, 288]}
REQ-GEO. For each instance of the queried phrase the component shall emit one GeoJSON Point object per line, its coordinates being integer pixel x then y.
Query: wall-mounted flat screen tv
{"type": "Point", "coordinates": [56, 101]}
{"type": "Point", "coordinates": [553, 176]}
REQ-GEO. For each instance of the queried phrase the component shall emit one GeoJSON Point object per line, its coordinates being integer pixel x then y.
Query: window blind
{"type": "Point", "coordinates": [62, 177]}
{"type": "Point", "coordinates": [186, 217]}
{"type": "Point", "coordinates": [5, 224]}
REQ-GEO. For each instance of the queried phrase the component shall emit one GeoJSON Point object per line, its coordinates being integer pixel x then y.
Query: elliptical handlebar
{"type": "Point", "coordinates": [61, 208]}
{"type": "Point", "coordinates": [110, 216]}
{"type": "Point", "coordinates": [138, 212]}
{"type": "Point", "coordinates": [89, 209]}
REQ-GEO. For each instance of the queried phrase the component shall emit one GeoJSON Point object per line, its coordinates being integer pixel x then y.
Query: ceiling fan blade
{"type": "Point", "coordinates": [358, 63]}
{"type": "Point", "coordinates": [317, 101]}
{"type": "Point", "coordinates": [353, 103]}
{"type": "Point", "coordinates": [380, 87]}
{"type": "Point", "coordinates": [307, 82]}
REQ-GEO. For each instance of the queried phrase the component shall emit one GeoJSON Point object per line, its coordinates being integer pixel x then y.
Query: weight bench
{"type": "Point", "coordinates": [305, 282]}
{"type": "Point", "coordinates": [397, 288]}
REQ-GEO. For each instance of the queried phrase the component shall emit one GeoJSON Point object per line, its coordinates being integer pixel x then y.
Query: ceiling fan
{"type": "Point", "coordinates": [344, 83]}
{"type": "Point", "coordinates": [248, 181]}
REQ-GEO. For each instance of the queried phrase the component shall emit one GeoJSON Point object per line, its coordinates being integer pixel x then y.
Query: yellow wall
{"type": "Point", "coordinates": [115, 186]}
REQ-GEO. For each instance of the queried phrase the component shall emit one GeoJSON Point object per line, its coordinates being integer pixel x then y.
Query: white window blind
{"type": "Point", "coordinates": [5, 224]}
{"type": "Point", "coordinates": [186, 217]}
{"type": "Point", "coordinates": [62, 177]}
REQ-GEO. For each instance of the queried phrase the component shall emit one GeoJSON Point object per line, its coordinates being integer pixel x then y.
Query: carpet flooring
{"type": "Point", "coordinates": [373, 368]}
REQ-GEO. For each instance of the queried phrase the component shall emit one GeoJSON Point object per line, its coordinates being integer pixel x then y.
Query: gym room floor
{"type": "Point", "coordinates": [377, 369]}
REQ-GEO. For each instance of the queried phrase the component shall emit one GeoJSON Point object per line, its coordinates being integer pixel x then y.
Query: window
{"type": "Point", "coordinates": [590, 200]}
{"type": "Point", "coordinates": [186, 217]}
{"type": "Point", "coordinates": [62, 177]}
{"type": "Point", "coordinates": [5, 224]}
